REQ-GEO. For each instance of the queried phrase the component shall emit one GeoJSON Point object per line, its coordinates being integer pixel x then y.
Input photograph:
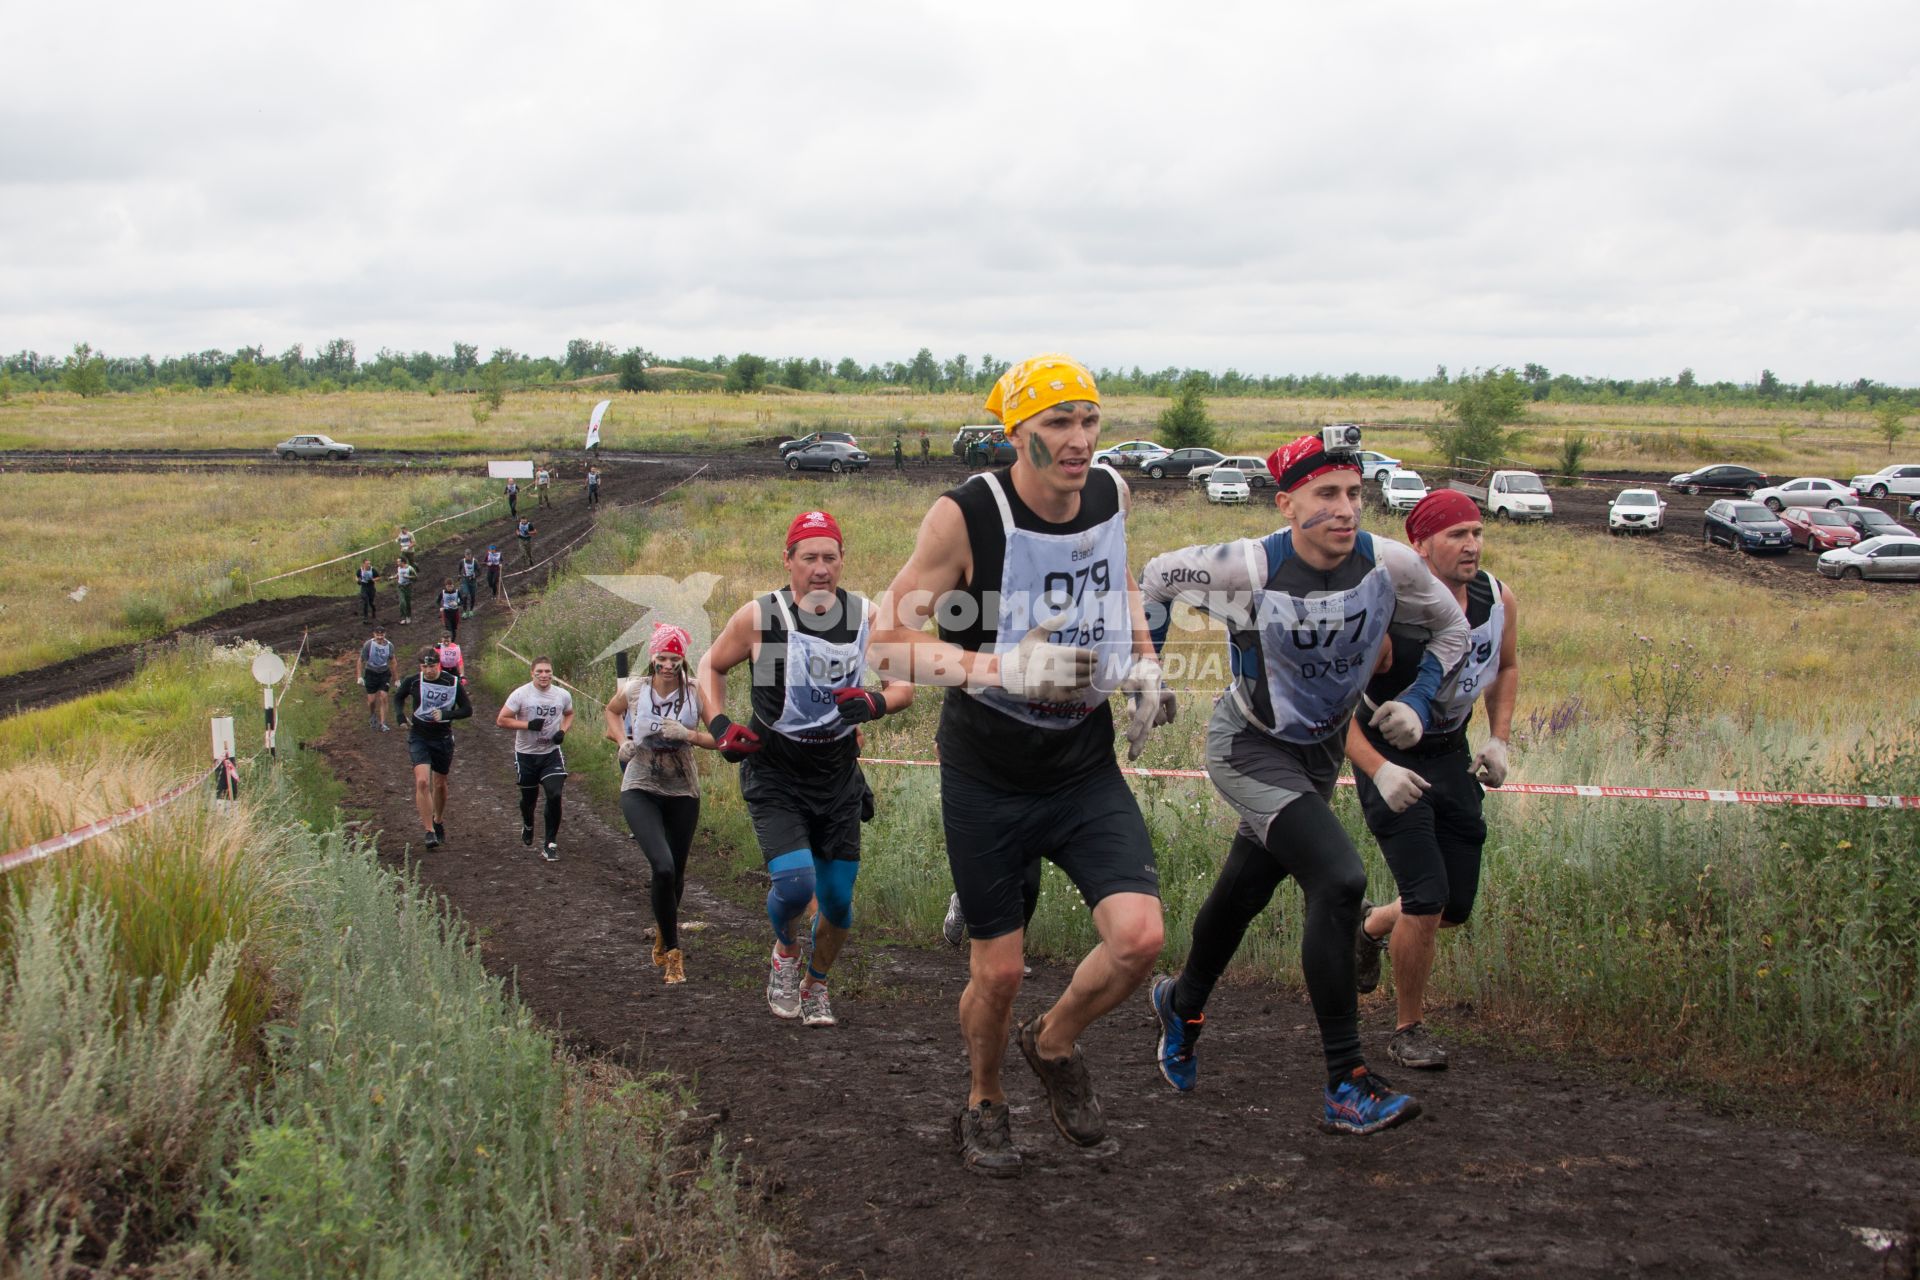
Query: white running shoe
{"type": "Point", "coordinates": [783, 986]}
{"type": "Point", "coordinates": [815, 1009]}
{"type": "Point", "coordinates": [954, 927]}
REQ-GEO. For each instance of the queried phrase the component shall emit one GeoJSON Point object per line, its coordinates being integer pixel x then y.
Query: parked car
{"type": "Point", "coordinates": [1000, 450]}
{"type": "Point", "coordinates": [1899, 478]}
{"type": "Point", "coordinates": [1808, 491]}
{"type": "Point", "coordinates": [1128, 453]}
{"type": "Point", "coordinates": [315, 446]}
{"type": "Point", "coordinates": [1253, 470]}
{"type": "Point", "coordinates": [1913, 511]}
{"type": "Point", "coordinates": [1819, 529]}
{"type": "Point", "coordinates": [1180, 462]}
{"type": "Point", "coordinates": [1227, 484]}
{"type": "Point", "coordinates": [1722, 478]}
{"type": "Point", "coordinates": [969, 435]}
{"type": "Point", "coordinates": [1636, 511]}
{"type": "Point", "coordinates": [1510, 495]}
{"type": "Point", "coordinates": [1892, 558]}
{"type": "Point", "coordinates": [827, 455]}
{"type": "Point", "coordinates": [1403, 490]}
{"type": "Point", "coordinates": [1375, 466]}
{"type": "Point", "coordinates": [1872, 522]}
{"type": "Point", "coordinates": [818, 437]}
{"type": "Point", "coordinates": [1747, 526]}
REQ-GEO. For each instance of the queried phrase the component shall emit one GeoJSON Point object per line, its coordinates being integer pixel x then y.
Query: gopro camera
{"type": "Point", "coordinates": [1341, 437]}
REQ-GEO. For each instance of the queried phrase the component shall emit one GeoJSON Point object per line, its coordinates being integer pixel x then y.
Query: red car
{"type": "Point", "coordinates": [1819, 529]}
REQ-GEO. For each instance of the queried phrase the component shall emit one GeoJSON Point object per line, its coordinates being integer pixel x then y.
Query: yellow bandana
{"type": "Point", "coordinates": [1039, 384]}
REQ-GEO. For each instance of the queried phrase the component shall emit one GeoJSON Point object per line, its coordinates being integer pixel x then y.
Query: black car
{"type": "Point", "coordinates": [830, 437]}
{"type": "Point", "coordinates": [1748, 526]}
{"type": "Point", "coordinates": [827, 455]}
{"type": "Point", "coordinates": [1721, 478]}
{"type": "Point", "coordinates": [1871, 522]}
{"type": "Point", "coordinates": [1180, 462]}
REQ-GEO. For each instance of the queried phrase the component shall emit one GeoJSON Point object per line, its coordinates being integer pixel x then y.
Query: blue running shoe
{"type": "Point", "coordinates": [1366, 1103]}
{"type": "Point", "coordinates": [1177, 1035]}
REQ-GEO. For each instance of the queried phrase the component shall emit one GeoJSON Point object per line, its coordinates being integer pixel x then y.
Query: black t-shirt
{"type": "Point", "coordinates": [974, 738]}
{"type": "Point", "coordinates": [840, 624]}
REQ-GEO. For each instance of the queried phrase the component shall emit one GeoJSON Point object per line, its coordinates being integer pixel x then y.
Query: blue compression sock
{"type": "Point", "coordinates": [792, 875]}
{"type": "Point", "coordinates": [833, 885]}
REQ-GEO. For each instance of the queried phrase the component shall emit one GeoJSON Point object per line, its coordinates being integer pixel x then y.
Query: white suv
{"type": "Point", "coordinates": [1402, 490]}
{"type": "Point", "coordinates": [1902, 478]}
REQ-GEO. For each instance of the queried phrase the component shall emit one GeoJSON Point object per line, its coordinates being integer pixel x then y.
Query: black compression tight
{"type": "Point", "coordinates": [1307, 842]}
{"type": "Point", "coordinates": [663, 827]}
{"type": "Point", "coordinates": [528, 795]}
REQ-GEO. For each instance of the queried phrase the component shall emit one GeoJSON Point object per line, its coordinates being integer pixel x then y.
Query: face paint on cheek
{"type": "Point", "coordinates": [1317, 519]}
{"type": "Point", "coordinates": [1037, 452]}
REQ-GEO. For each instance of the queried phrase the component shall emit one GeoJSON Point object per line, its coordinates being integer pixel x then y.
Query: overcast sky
{"type": "Point", "coordinates": [1620, 189]}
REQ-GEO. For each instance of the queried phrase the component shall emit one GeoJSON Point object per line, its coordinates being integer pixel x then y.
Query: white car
{"type": "Point", "coordinates": [1403, 490]}
{"type": "Point", "coordinates": [1636, 510]}
{"type": "Point", "coordinates": [1253, 470]}
{"type": "Point", "coordinates": [1900, 478]}
{"type": "Point", "coordinates": [1809, 491]}
{"type": "Point", "coordinates": [1880, 558]}
{"type": "Point", "coordinates": [1227, 484]}
{"type": "Point", "coordinates": [1375, 466]}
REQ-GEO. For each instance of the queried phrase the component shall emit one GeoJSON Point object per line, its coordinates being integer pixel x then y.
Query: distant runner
{"type": "Point", "coordinates": [439, 699]}
{"type": "Point", "coordinates": [524, 532]}
{"type": "Point", "coordinates": [655, 717]}
{"type": "Point", "coordinates": [375, 674]}
{"type": "Point", "coordinates": [405, 539]}
{"type": "Point", "coordinates": [403, 575]}
{"type": "Point", "coordinates": [493, 570]}
{"type": "Point", "coordinates": [593, 486]}
{"type": "Point", "coordinates": [1422, 803]}
{"type": "Point", "coordinates": [539, 712]}
{"type": "Point", "coordinates": [1025, 574]}
{"type": "Point", "coordinates": [366, 575]}
{"type": "Point", "coordinates": [451, 659]}
{"type": "Point", "coordinates": [1307, 609]}
{"type": "Point", "coordinates": [450, 607]}
{"type": "Point", "coordinates": [800, 764]}
{"type": "Point", "coordinates": [542, 484]}
{"type": "Point", "coordinates": [926, 454]}
{"type": "Point", "coordinates": [513, 497]}
{"type": "Point", "coordinates": [469, 584]}
{"type": "Point", "coordinates": [899, 454]}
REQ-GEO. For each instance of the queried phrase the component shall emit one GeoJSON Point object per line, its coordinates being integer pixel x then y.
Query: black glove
{"type": "Point", "coordinates": [533, 725]}
{"type": "Point", "coordinates": [859, 706]}
{"type": "Point", "coordinates": [559, 736]}
{"type": "Point", "coordinates": [735, 743]}
{"type": "Point", "coordinates": [866, 804]}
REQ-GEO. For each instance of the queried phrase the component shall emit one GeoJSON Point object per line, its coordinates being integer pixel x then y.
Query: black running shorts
{"type": "Point", "coordinates": [435, 753]}
{"type": "Point", "coordinates": [1434, 847]}
{"type": "Point", "coordinates": [1091, 829]}
{"type": "Point", "coordinates": [377, 681]}
{"type": "Point", "coordinates": [532, 769]}
{"type": "Point", "coordinates": [790, 815]}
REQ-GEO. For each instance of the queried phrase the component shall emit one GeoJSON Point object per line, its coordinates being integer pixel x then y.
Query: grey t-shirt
{"type": "Point", "coordinates": [529, 703]}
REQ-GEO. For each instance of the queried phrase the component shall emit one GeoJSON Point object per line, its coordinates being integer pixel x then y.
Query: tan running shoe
{"type": "Point", "coordinates": [675, 967]}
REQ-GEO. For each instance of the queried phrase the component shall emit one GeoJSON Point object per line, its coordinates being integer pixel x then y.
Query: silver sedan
{"type": "Point", "coordinates": [1890, 558]}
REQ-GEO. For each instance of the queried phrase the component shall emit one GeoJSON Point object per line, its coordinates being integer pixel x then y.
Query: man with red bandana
{"type": "Point", "coordinates": [1024, 573]}
{"type": "Point", "coordinates": [1422, 803]}
{"type": "Point", "coordinates": [1307, 608]}
{"type": "Point", "coordinates": [800, 760]}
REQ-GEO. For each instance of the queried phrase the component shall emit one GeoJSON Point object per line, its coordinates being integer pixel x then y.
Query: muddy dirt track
{"type": "Point", "coordinates": [1519, 1168]}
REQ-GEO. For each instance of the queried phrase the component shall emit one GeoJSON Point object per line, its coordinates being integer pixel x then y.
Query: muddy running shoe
{"type": "Point", "coordinates": [984, 1136]}
{"type": "Point", "coordinates": [1070, 1097]}
{"type": "Point", "coordinates": [1177, 1035]}
{"type": "Point", "coordinates": [433, 840]}
{"type": "Point", "coordinates": [440, 830]}
{"type": "Point", "coordinates": [659, 951]}
{"type": "Point", "coordinates": [815, 1009]}
{"type": "Point", "coordinates": [385, 727]}
{"type": "Point", "coordinates": [676, 969]}
{"type": "Point", "coordinates": [1366, 953]}
{"type": "Point", "coordinates": [551, 853]}
{"type": "Point", "coordinates": [954, 927]}
{"type": "Point", "coordinates": [1415, 1047]}
{"type": "Point", "coordinates": [1366, 1103]}
{"type": "Point", "coordinates": [783, 986]}
{"type": "Point", "coordinates": [526, 834]}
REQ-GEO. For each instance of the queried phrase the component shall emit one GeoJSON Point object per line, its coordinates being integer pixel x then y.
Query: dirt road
{"type": "Point", "coordinates": [1520, 1167]}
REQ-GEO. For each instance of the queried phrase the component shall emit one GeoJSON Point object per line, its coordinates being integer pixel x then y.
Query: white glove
{"type": "Point", "coordinates": [674, 731]}
{"type": "Point", "coordinates": [628, 750]}
{"type": "Point", "coordinates": [1490, 762]}
{"type": "Point", "coordinates": [1398, 724]}
{"type": "Point", "coordinates": [1046, 672]}
{"type": "Point", "coordinates": [1152, 702]}
{"type": "Point", "coordinates": [1400, 788]}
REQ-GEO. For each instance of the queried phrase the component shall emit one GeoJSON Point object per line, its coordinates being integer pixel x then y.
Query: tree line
{"type": "Point", "coordinates": [336, 366]}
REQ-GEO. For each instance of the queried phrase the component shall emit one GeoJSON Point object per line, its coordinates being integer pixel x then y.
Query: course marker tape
{"type": "Point", "coordinates": [375, 547]}
{"type": "Point", "coordinates": [1813, 799]}
{"type": "Point", "coordinates": [80, 835]}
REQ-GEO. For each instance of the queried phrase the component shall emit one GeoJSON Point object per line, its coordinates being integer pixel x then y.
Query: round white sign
{"type": "Point", "coordinates": [268, 668]}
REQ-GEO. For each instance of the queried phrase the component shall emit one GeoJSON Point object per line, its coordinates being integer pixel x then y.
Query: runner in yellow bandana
{"type": "Point", "coordinates": [1035, 385]}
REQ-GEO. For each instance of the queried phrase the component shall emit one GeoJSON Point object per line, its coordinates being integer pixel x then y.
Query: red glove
{"type": "Point", "coordinates": [735, 743]}
{"type": "Point", "coordinates": [859, 706]}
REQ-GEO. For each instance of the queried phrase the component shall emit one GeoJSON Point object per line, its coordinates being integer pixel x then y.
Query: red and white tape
{"type": "Point", "coordinates": [79, 835]}
{"type": "Point", "coordinates": [1811, 799]}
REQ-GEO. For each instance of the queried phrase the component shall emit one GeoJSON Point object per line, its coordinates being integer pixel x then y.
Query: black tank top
{"type": "Point", "coordinates": [974, 738]}
{"type": "Point", "coordinates": [1410, 646]}
{"type": "Point", "coordinates": [838, 625]}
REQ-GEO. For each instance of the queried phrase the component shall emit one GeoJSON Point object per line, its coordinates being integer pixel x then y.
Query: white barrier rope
{"type": "Point", "coordinates": [80, 835]}
{"type": "Point", "coordinates": [375, 547]}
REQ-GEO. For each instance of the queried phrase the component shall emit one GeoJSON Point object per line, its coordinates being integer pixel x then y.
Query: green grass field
{"type": "Point", "coordinates": [154, 551]}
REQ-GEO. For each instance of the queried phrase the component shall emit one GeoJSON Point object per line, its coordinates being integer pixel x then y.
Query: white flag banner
{"type": "Point", "coordinates": [593, 426]}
